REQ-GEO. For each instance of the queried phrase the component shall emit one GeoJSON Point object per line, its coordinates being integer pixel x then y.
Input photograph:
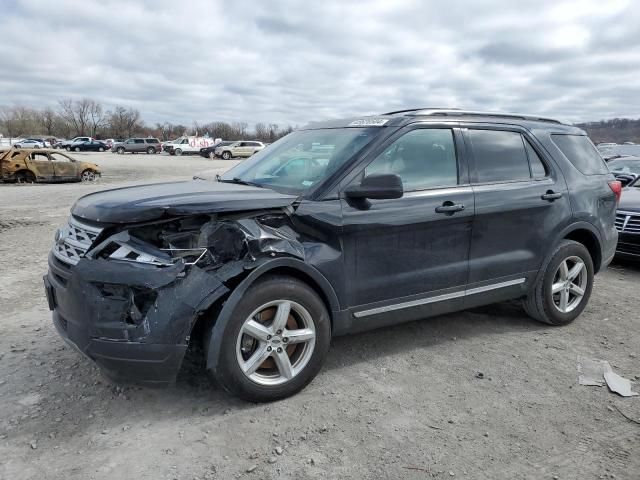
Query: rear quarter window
{"type": "Point", "coordinates": [579, 150]}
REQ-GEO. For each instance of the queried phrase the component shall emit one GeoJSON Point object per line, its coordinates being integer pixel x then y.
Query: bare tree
{"type": "Point", "coordinates": [262, 132]}
{"type": "Point", "coordinates": [48, 118]}
{"type": "Point", "coordinates": [124, 122]}
{"type": "Point", "coordinates": [77, 114]}
{"type": "Point", "coordinates": [96, 116]}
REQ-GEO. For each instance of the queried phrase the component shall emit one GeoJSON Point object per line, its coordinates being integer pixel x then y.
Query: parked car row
{"type": "Point", "coordinates": [33, 143]}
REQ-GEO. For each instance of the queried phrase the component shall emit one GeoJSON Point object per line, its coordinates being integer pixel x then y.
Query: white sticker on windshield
{"type": "Point", "coordinates": [369, 122]}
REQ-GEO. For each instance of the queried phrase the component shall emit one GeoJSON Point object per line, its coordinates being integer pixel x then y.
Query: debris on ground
{"type": "Point", "coordinates": [592, 371]}
{"type": "Point", "coordinates": [597, 373]}
{"type": "Point", "coordinates": [619, 385]}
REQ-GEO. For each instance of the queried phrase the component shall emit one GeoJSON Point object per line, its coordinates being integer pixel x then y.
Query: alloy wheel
{"type": "Point", "coordinates": [276, 342]}
{"type": "Point", "coordinates": [569, 284]}
{"type": "Point", "coordinates": [88, 176]}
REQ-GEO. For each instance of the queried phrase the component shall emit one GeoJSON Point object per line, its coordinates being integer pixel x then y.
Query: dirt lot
{"type": "Point", "coordinates": [404, 402]}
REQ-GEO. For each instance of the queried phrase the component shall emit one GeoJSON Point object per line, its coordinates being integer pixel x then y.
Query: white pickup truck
{"type": "Point", "coordinates": [190, 145]}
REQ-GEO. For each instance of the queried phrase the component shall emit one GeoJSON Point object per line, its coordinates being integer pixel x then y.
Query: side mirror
{"type": "Point", "coordinates": [377, 186]}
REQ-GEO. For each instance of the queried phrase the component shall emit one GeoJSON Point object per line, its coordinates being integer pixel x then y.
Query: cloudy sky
{"type": "Point", "coordinates": [288, 61]}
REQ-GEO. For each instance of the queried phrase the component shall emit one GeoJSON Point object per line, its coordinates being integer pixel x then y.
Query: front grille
{"type": "Point", "coordinates": [74, 241]}
{"type": "Point", "coordinates": [628, 222]}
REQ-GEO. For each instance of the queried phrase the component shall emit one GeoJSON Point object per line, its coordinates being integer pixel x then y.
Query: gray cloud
{"type": "Point", "coordinates": [292, 62]}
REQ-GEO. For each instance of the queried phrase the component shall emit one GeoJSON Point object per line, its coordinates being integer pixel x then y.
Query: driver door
{"type": "Point", "coordinates": [64, 168]}
{"type": "Point", "coordinates": [408, 258]}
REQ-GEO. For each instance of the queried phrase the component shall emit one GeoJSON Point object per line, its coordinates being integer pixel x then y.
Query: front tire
{"type": "Point", "coordinates": [101, 149]}
{"type": "Point", "coordinates": [276, 340]}
{"type": "Point", "coordinates": [88, 176]}
{"type": "Point", "coordinates": [226, 155]}
{"type": "Point", "coordinates": [178, 151]}
{"type": "Point", "coordinates": [564, 289]}
{"type": "Point", "coordinates": [120, 150]}
{"type": "Point", "coordinates": [151, 150]}
{"type": "Point", "coordinates": [77, 149]}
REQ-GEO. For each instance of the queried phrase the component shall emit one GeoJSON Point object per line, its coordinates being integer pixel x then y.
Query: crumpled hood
{"type": "Point", "coordinates": [630, 199]}
{"type": "Point", "coordinates": [150, 202]}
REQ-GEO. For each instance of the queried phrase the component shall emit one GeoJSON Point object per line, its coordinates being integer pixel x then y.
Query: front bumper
{"type": "Point", "coordinates": [628, 246]}
{"type": "Point", "coordinates": [135, 332]}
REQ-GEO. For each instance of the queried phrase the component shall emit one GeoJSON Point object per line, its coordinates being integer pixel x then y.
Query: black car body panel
{"type": "Point", "coordinates": [373, 262]}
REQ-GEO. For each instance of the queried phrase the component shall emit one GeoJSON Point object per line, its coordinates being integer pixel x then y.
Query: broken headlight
{"type": "Point", "coordinates": [159, 244]}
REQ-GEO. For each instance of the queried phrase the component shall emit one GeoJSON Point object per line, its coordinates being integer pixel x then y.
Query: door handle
{"type": "Point", "coordinates": [450, 208]}
{"type": "Point", "coordinates": [550, 196]}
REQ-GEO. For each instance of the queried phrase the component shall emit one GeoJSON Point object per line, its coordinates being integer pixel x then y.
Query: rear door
{"type": "Point", "coordinates": [65, 168]}
{"type": "Point", "coordinates": [243, 149]}
{"type": "Point", "coordinates": [39, 163]}
{"type": "Point", "coordinates": [408, 257]}
{"type": "Point", "coordinates": [139, 145]}
{"type": "Point", "coordinates": [521, 202]}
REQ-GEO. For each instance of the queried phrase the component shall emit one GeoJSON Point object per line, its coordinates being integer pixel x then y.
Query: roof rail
{"type": "Point", "coordinates": [418, 109]}
{"type": "Point", "coordinates": [473, 113]}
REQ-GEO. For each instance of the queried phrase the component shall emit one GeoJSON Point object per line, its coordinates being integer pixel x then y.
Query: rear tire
{"type": "Point", "coordinates": [68, 149]}
{"type": "Point", "coordinates": [25, 177]}
{"type": "Point", "coordinates": [287, 366]}
{"type": "Point", "coordinates": [564, 289]}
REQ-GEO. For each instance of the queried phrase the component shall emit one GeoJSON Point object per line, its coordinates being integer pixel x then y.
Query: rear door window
{"type": "Point", "coordinates": [538, 169]}
{"type": "Point", "coordinates": [581, 153]}
{"type": "Point", "coordinates": [500, 156]}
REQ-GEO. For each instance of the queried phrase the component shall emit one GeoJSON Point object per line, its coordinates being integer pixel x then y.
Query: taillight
{"type": "Point", "coordinates": [616, 188]}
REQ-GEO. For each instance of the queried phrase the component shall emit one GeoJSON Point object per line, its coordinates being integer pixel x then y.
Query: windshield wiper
{"type": "Point", "coordinates": [239, 181]}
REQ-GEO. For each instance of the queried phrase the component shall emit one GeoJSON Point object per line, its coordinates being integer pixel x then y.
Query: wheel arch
{"type": "Point", "coordinates": [25, 170]}
{"type": "Point", "coordinates": [223, 306]}
{"type": "Point", "coordinates": [587, 235]}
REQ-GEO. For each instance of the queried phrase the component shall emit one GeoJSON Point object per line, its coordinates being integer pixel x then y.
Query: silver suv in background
{"type": "Point", "coordinates": [137, 145]}
{"type": "Point", "coordinates": [239, 149]}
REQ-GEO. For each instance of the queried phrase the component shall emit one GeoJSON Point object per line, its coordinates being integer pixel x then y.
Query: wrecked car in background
{"type": "Point", "coordinates": [44, 165]}
{"type": "Point", "coordinates": [341, 227]}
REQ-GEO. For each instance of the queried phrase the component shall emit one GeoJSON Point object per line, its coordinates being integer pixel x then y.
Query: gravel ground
{"type": "Point", "coordinates": [483, 394]}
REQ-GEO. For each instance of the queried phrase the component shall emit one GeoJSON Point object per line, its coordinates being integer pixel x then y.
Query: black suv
{"type": "Point", "coordinates": [337, 228]}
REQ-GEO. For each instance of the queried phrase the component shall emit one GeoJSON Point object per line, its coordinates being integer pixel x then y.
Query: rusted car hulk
{"type": "Point", "coordinates": [44, 165]}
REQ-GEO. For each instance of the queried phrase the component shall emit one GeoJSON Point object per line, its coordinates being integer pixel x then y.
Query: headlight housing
{"type": "Point", "coordinates": [161, 244]}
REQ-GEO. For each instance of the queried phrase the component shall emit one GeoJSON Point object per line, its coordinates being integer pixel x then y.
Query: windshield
{"type": "Point", "coordinates": [302, 159]}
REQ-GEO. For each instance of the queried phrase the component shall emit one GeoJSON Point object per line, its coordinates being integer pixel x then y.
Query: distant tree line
{"type": "Point", "coordinates": [617, 130]}
{"type": "Point", "coordinates": [86, 117]}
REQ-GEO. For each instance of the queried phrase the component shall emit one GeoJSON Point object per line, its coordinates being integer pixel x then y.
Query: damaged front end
{"type": "Point", "coordinates": [128, 296]}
